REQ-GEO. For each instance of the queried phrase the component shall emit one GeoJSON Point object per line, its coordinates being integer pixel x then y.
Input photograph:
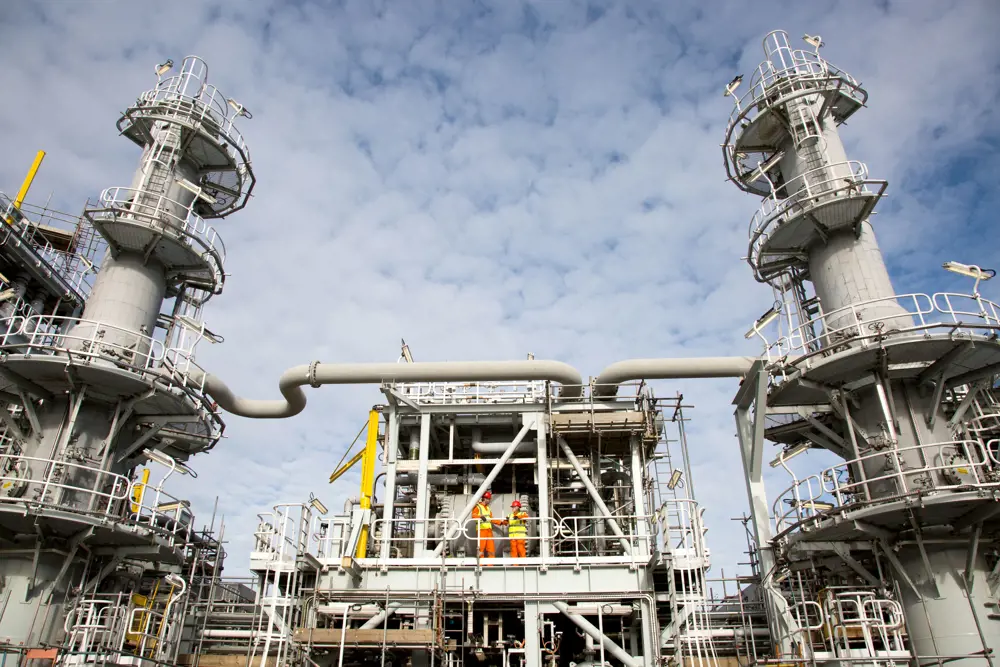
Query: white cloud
{"type": "Point", "coordinates": [492, 179]}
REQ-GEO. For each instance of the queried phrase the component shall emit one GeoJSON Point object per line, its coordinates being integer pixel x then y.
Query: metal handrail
{"type": "Point", "coordinates": [208, 105]}
{"type": "Point", "coordinates": [831, 490]}
{"type": "Point", "coordinates": [105, 498]}
{"type": "Point", "coordinates": [802, 191]}
{"type": "Point", "coordinates": [817, 334]}
{"type": "Point", "coordinates": [769, 85]}
{"type": "Point", "coordinates": [153, 507]}
{"type": "Point", "coordinates": [158, 207]}
{"type": "Point", "coordinates": [447, 393]}
{"type": "Point", "coordinates": [52, 333]}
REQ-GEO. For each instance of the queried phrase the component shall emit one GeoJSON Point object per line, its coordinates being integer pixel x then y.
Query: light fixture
{"type": "Point", "coordinates": [175, 580]}
{"type": "Point", "coordinates": [196, 191]}
{"type": "Point", "coordinates": [675, 480]}
{"type": "Point", "coordinates": [764, 320]}
{"type": "Point", "coordinates": [168, 461]}
{"type": "Point", "coordinates": [406, 351]}
{"type": "Point", "coordinates": [531, 356]}
{"type": "Point", "coordinates": [816, 505]}
{"type": "Point", "coordinates": [733, 85]}
{"type": "Point", "coordinates": [972, 271]}
{"type": "Point", "coordinates": [814, 41]}
{"type": "Point", "coordinates": [317, 505]}
{"type": "Point", "coordinates": [200, 327]}
{"type": "Point", "coordinates": [790, 453]}
{"type": "Point", "coordinates": [7, 294]}
{"type": "Point", "coordinates": [164, 67]}
{"type": "Point", "coordinates": [239, 108]}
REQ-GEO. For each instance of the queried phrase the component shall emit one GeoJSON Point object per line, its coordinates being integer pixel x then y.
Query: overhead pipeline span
{"type": "Point", "coordinates": [317, 374]}
{"type": "Point", "coordinates": [670, 369]}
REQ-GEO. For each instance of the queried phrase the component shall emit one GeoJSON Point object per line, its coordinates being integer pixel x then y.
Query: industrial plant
{"type": "Point", "coordinates": [510, 513]}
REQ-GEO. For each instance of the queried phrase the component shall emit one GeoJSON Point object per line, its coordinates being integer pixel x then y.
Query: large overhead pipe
{"type": "Point", "coordinates": [592, 490]}
{"type": "Point", "coordinates": [669, 369]}
{"type": "Point", "coordinates": [588, 627]}
{"type": "Point", "coordinates": [317, 374]}
{"type": "Point", "coordinates": [481, 447]}
{"type": "Point", "coordinates": [464, 514]}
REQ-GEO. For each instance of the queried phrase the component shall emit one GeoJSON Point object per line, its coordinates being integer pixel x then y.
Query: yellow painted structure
{"type": "Point", "coordinates": [26, 185]}
{"type": "Point", "coordinates": [368, 477]}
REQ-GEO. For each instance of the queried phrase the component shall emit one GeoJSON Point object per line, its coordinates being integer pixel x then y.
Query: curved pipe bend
{"type": "Point", "coordinates": [316, 374]}
{"type": "Point", "coordinates": [669, 369]}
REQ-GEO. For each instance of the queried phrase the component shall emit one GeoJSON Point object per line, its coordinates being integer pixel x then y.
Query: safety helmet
{"type": "Point", "coordinates": [516, 503]}
{"type": "Point", "coordinates": [487, 495]}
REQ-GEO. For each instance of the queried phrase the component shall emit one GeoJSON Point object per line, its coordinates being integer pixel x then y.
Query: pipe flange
{"type": "Point", "coordinates": [311, 376]}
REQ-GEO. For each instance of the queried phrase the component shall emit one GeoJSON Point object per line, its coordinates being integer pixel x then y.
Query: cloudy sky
{"type": "Point", "coordinates": [487, 179]}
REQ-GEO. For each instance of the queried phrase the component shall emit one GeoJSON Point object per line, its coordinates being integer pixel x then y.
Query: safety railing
{"type": "Point", "coordinates": [165, 513]}
{"type": "Point", "coordinates": [806, 74]}
{"type": "Point", "coordinates": [84, 339]}
{"type": "Point", "coordinates": [591, 536]}
{"type": "Point", "coordinates": [97, 624]}
{"type": "Point", "coordinates": [680, 529]}
{"type": "Point", "coordinates": [805, 193]}
{"type": "Point", "coordinates": [331, 537]}
{"type": "Point", "coordinates": [285, 533]}
{"type": "Point", "coordinates": [869, 322]}
{"type": "Point", "coordinates": [945, 467]}
{"type": "Point", "coordinates": [201, 103]}
{"type": "Point", "coordinates": [464, 393]}
{"type": "Point", "coordinates": [73, 487]}
{"type": "Point", "coordinates": [403, 540]}
{"type": "Point", "coordinates": [169, 214]}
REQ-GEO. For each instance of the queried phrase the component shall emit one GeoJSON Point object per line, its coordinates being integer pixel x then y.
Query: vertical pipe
{"type": "Point", "coordinates": [391, 453]}
{"type": "Point", "coordinates": [423, 490]}
{"type": "Point", "coordinates": [638, 504]}
{"type": "Point", "coordinates": [542, 470]}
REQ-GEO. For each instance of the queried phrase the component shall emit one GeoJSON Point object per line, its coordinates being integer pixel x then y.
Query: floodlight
{"type": "Point", "coordinates": [196, 191]}
{"type": "Point", "coordinates": [814, 41]}
{"type": "Point", "coordinates": [764, 320]}
{"type": "Point", "coordinates": [531, 356]}
{"type": "Point", "coordinates": [7, 294]}
{"type": "Point", "coordinates": [790, 453]}
{"type": "Point", "coordinates": [970, 270]}
{"type": "Point", "coordinates": [167, 460]}
{"type": "Point", "coordinates": [406, 351]}
{"type": "Point", "coordinates": [317, 505]}
{"type": "Point", "coordinates": [175, 580]}
{"type": "Point", "coordinates": [164, 67]}
{"type": "Point", "coordinates": [675, 480]}
{"type": "Point", "coordinates": [239, 108]}
{"type": "Point", "coordinates": [733, 85]}
{"type": "Point", "coordinates": [816, 505]}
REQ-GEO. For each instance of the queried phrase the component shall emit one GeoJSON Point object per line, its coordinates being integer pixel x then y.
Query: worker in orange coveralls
{"type": "Point", "coordinates": [484, 515]}
{"type": "Point", "coordinates": [517, 530]}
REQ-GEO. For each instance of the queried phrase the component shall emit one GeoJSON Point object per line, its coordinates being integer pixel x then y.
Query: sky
{"type": "Point", "coordinates": [488, 179]}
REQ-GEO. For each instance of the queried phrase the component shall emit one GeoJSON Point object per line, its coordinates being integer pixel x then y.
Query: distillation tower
{"type": "Point", "coordinates": [898, 513]}
{"type": "Point", "coordinates": [97, 561]}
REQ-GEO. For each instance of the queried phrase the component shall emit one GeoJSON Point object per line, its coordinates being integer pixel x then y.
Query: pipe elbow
{"type": "Point", "coordinates": [670, 369]}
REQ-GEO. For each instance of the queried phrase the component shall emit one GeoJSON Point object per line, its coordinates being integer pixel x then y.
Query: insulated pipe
{"type": "Point", "coordinates": [481, 447]}
{"type": "Point", "coordinates": [669, 369]}
{"type": "Point", "coordinates": [316, 374]}
{"type": "Point", "coordinates": [498, 466]}
{"type": "Point", "coordinates": [377, 619]}
{"type": "Point", "coordinates": [612, 524]}
{"type": "Point", "coordinates": [588, 627]}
